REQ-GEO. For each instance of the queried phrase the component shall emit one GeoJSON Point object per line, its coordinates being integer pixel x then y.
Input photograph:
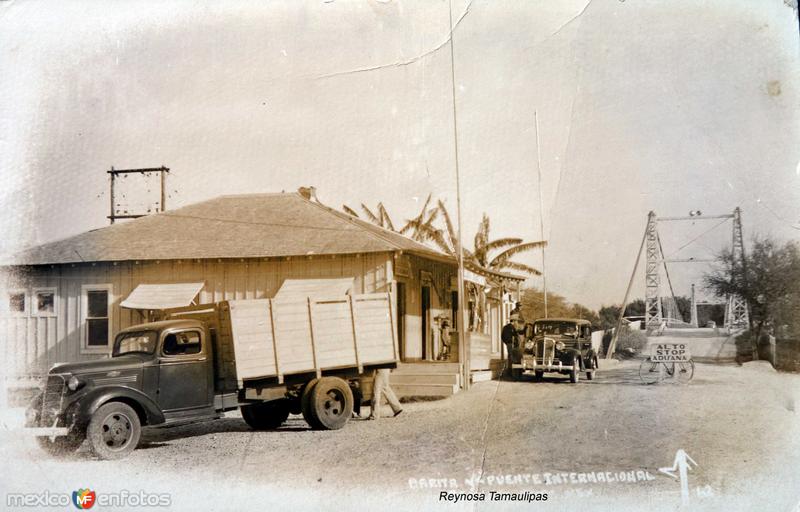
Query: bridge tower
{"type": "Point", "coordinates": [736, 314]}
{"type": "Point", "coordinates": [652, 279]}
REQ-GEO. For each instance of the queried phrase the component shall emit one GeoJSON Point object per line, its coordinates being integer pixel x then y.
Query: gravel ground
{"type": "Point", "coordinates": [739, 424]}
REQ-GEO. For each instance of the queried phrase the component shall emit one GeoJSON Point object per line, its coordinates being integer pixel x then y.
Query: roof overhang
{"type": "Point", "coordinates": [162, 296]}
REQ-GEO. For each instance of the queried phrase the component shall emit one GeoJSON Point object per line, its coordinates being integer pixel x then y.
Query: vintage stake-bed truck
{"type": "Point", "coordinates": [268, 357]}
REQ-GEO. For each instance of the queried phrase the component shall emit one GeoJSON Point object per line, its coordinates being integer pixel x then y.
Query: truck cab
{"type": "Point", "coordinates": [160, 372]}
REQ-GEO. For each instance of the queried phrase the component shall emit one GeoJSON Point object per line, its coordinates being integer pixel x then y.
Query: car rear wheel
{"type": "Point", "coordinates": [538, 374]}
{"type": "Point", "coordinates": [516, 373]}
{"type": "Point", "coordinates": [114, 431]}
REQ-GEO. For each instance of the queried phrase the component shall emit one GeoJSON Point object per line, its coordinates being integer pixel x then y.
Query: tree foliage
{"type": "Point", "coordinates": [768, 280]}
{"type": "Point", "coordinates": [557, 307]}
{"type": "Point", "coordinates": [433, 224]}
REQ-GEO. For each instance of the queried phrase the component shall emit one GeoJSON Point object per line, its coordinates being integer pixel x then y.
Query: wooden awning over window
{"type": "Point", "coordinates": [292, 289]}
{"type": "Point", "coordinates": [162, 296]}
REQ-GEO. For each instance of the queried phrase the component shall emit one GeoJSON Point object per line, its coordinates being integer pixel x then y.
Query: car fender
{"type": "Point", "coordinates": [83, 408]}
{"type": "Point", "coordinates": [569, 355]}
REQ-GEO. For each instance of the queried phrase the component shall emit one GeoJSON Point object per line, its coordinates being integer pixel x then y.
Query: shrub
{"type": "Point", "coordinates": [631, 342]}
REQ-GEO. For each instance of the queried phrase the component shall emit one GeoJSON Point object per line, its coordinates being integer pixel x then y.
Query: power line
{"type": "Point", "coordinates": [693, 240]}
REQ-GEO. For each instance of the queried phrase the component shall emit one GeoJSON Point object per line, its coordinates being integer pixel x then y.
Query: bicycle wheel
{"type": "Point", "coordinates": [651, 372]}
{"type": "Point", "coordinates": [684, 371]}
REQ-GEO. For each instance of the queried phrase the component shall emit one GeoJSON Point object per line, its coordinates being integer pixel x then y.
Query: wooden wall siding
{"type": "Point", "coordinates": [30, 345]}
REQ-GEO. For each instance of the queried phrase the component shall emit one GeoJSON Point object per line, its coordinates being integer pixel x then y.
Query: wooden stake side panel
{"type": "Point", "coordinates": [252, 338]}
{"type": "Point", "coordinates": [310, 334]}
{"type": "Point", "coordinates": [293, 332]}
{"type": "Point", "coordinates": [373, 325]}
{"type": "Point", "coordinates": [333, 333]}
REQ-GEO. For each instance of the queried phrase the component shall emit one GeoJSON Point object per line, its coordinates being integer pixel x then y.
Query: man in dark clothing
{"type": "Point", "coordinates": [510, 336]}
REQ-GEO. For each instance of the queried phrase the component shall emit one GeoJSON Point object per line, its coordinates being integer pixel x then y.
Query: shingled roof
{"type": "Point", "coordinates": [240, 226]}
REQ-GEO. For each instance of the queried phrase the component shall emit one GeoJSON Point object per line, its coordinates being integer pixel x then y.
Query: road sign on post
{"type": "Point", "coordinates": [670, 353]}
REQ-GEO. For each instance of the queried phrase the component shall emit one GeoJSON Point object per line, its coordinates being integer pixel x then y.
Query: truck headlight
{"type": "Point", "coordinates": [74, 383]}
{"type": "Point", "coordinates": [529, 345]}
{"type": "Point", "coordinates": [560, 345]}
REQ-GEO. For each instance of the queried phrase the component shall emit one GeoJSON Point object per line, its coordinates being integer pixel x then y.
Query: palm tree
{"type": "Point", "coordinates": [382, 219]}
{"type": "Point", "coordinates": [511, 246]}
{"type": "Point", "coordinates": [422, 228]}
{"type": "Point", "coordinates": [416, 228]}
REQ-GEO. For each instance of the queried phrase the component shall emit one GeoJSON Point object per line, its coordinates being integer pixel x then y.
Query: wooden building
{"type": "Point", "coordinates": [65, 300]}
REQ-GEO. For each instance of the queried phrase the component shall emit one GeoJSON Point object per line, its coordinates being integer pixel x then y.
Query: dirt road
{"type": "Point", "coordinates": [593, 446]}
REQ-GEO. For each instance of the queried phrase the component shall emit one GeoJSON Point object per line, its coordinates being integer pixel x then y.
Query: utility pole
{"type": "Point", "coordinates": [613, 343]}
{"type": "Point", "coordinates": [693, 321]}
{"type": "Point", "coordinates": [541, 207]}
{"type": "Point", "coordinates": [116, 173]}
{"type": "Point", "coordinates": [463, 342]}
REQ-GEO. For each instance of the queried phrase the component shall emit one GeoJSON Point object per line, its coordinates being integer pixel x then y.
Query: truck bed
{"type": "Point", "coordinates": [272, 338]}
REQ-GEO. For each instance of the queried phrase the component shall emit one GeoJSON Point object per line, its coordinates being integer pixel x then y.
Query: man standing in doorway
{"type": "Point", "coordinates": [381, 389]}
{"type": "Point", "coordinates": [510, 337]}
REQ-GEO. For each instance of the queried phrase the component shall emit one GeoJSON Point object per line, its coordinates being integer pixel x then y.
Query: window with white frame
{"type": "Point", "coordinates": [96, 316]}
{"type": "Point", "coordinates": [17, 302]}
{"type": "Point", "coordinates": [45, 301]}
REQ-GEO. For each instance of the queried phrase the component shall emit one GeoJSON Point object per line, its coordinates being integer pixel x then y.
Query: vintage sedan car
{"type": "Point", "coordinates": [560, 345]}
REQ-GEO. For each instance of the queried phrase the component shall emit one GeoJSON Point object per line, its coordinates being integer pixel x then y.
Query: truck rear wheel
{"type": "Point", "coordinates": [114, 431]}
{"type": "Point", "coordinates": [266, 415]}
{"type": "Point", "coordinates": [329, 404]}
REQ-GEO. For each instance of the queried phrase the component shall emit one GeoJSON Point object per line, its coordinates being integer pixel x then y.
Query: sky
{"type": "Point", "coordinates": [641, 105]}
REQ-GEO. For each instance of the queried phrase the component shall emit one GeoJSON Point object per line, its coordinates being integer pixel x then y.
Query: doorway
{"type": "Point", "coordinates": [426, 307]}
{"type": "Point", "coordinates": [401, 320]}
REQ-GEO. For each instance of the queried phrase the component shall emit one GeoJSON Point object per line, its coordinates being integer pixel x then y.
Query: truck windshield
{"type": "Point", "coordinates": [143, 342]}
{"type": "Point", "coordinates": [556, 328]}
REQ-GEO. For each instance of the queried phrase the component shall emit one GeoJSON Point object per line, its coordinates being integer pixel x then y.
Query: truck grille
{"type": "Point", "coordinates": [52, 399]}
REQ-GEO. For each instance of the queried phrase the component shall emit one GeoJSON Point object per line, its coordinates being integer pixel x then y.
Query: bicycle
{"type": "Point", "coordinates": [653, 372]}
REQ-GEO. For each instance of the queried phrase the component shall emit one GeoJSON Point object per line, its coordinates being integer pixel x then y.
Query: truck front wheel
{"type": "Point", "coordinates": [114, 431]}
{"type": "Point", "coordinates": [329, 404]}
{"type": "Point", "coordinates": [62, 445]}
{"type": "Point", "coordinates": [266, 415]}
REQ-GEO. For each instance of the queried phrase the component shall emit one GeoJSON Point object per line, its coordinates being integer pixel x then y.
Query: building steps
{"type": "Point", "coordinates": [424, 379]}
{"type": "Point", "coordinates": [481, 376]}
{"type": "Point", "coordinates": [424, 390]}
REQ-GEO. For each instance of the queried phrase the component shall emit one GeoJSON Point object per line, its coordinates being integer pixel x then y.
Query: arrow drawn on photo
{"type": "Point", "coordinates": [682, 464]}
